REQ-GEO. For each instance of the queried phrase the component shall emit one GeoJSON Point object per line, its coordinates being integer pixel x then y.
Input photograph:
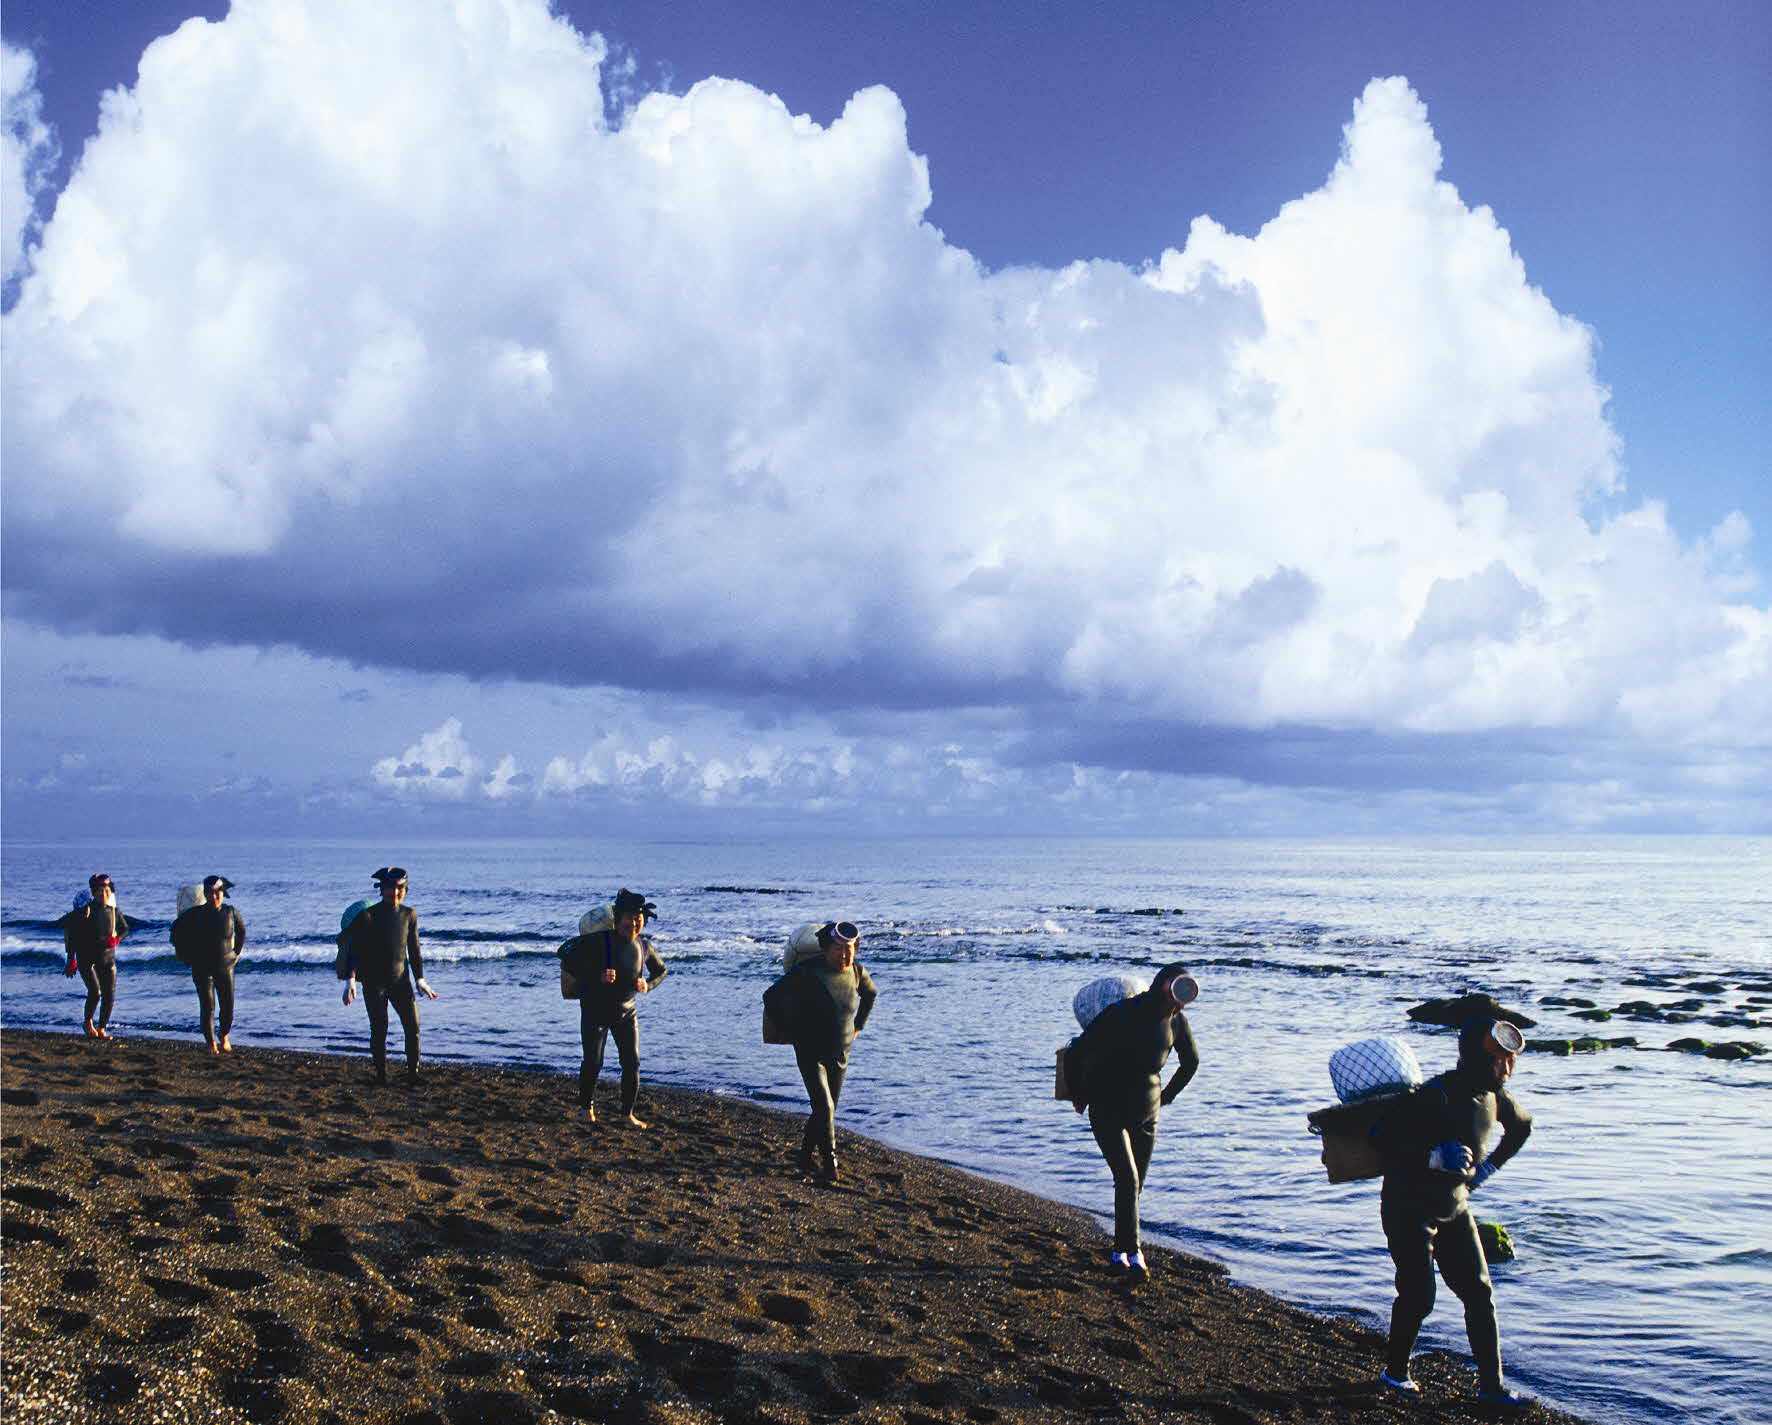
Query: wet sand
{"type": "Point", "coordinates": [268, 1236]}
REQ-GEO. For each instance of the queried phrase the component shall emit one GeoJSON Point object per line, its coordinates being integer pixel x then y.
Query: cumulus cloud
{"type": "Point", "coordinates": [370, 317]}
{"type": "Point", "coordinates": [27, 151]}
{"type": "Point", "coordinates": [438, 765]}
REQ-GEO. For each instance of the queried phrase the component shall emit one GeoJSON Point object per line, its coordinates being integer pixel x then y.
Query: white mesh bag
{"type": "Point", "coordinates": [598, 917]}
{"type": "Point", "coordinates": [1097, 995]}
{"type": "Point", "coordinates": [802, 944]}
{"type": "Point", "coordinates": [189, 896]}
{"type": "Point", "coordinates": [1373, 1067]}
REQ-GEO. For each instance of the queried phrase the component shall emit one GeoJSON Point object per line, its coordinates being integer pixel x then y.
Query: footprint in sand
{"type": "Point", "coordinates": [113, 1384]}
{"type": "Point", "coordinates": [259, 1398]}
{"type": "Point", "coordinates": [165, 1148]}
{"type": "Point", "coordinates": [471, 1363]}
{"type": "Point", "coordinates": [283, 1351]}
{"type": "Point", "coordinates": [235, 1278]}
{"type": "Point", "coordinates": [18, 1233]}
{"type": "Point", "coordinates": [467, 1274]}
{"type": "Point", "coordinates": [485, 1318]}
{"type": "Point", "coordinates": [80, 1280]}
{"type": "Point", "coordinates": [48, 1199]}
{"type": "Point", "coordinates": [179, 1293]}
{"type": "Point", "coordinates": [62, 1321]}
{"type": "Point", "coordinates": [504, 1406]}
{"type": "Point", "coordinates": [380, 1345]}
{"type": "Point", "coordinates": [789, 1310]}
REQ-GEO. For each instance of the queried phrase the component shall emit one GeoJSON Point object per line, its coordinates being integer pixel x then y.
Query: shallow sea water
{"type": "Point", "coordinates": [1641, 1208]}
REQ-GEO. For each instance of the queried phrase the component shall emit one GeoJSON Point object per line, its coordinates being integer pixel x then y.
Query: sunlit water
{"type": "Point", "coordinates": [1643, 1288]}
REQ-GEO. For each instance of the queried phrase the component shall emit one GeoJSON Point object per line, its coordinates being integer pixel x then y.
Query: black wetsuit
{"type": "Point", "coordinates": [608, 1010]}
{"type": "Point", "coordinates": [91, 934]}
{"type": "Point", "coordinates": [821, 1010]}
{"type": "Point", "coordinates": [382, 948]}
{"type": "Point", "coordinates": [209, 939]}
{"type": "Point", "coordinates": [1123, 1052]}
{"type": "Point", "coordinates": [1426, 1214]}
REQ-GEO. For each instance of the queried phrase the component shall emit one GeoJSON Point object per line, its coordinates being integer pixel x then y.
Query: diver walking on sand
{"type": "Point", "coordinates": [209, 938]}
{"type": "Point", "coordinates": [1432, 1147]}
{"type": "Point", "coordinates": [91, 932]}
{"type": "Point", "coordinates": [380, 948]}
{"type": "Point", "coordinates": [819, 1006]}
{"type": "Point", "coordinates": [1121, 1055]}
{"type": "Point", "coordinates": [609, 965]}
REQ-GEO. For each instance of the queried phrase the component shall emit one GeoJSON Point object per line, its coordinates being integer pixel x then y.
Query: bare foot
{"type": "Point", "coordinates": [226, 1047]}
{"type": "Point", "coordinates": [213, 1047]}
{"type": "Point", "coordinates": [92, 1033]}
{"type": "Point", "coordinates": [634, 1122]}
{"type": "Point", "coordinates": [103, 1033]}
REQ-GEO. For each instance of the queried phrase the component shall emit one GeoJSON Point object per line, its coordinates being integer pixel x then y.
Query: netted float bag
{"type": "Point", "coordinates": [190, 896]}
{"type": "Point", "coordinates": [1373, 1067]}
{"type": "Point", "coordinates": [1097, 995]}
{"type": "Point", "coordinates": [598, 917]}
{"type": "Point", "coordinates": [802, 944]}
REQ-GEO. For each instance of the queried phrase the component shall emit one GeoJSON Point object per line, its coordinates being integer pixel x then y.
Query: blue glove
{"type": "Point", "coordinates": [1449, 1157]}
{"type": "Point", "coordinates": [1485, 1170]}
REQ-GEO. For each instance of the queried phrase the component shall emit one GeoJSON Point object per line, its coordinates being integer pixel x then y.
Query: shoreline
{"type": "Point", "coordinates": [267, 1236]}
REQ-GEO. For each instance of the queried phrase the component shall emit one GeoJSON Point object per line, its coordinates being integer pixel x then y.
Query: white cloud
{"type": "Point", "coordinates": [369, 312]}
{"type": "Point", "coordinates": [439, 765]}
{"type": "Point", "coordinates": [27, 150]}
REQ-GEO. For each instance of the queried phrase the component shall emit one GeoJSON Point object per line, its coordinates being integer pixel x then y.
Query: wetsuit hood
{"type": "Point", "coordinates": [1473, 1040]}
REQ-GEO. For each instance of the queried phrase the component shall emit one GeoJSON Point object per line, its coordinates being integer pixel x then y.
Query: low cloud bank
{"type": "Point", "coordinates": [364, 330]}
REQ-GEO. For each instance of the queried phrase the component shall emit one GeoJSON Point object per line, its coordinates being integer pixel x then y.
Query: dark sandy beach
{"type": "Point", "coordinates": [269, 1236]}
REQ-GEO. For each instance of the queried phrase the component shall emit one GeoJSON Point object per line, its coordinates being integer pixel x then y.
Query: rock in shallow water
{"type": "Point", "coordinates": [1455, 1012]}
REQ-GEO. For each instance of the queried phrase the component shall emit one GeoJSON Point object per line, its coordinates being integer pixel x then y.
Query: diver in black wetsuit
{"type": "Point", "coordinates": [1122, 1053]}
{"type": "Point", "coordinates": [1432, 1146]}
{"type": "Point", "coordinates": [821, 1004]}
{"type": "Point", "coordinates": [209, 938]}
{"type": "Point", "coordinates": [91, 933]}
{"type": "Point", "coordinates": [611, 967]}
{"type": "Point", "coordinates": [382, 950]}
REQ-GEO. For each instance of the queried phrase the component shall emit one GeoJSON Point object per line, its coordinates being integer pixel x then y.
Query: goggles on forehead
{"type": "Point", "coordinates": [1504, 1038]}
{"type": "Point", "coordinates": [841, 930]}
{"type": "Point", "coordinates": [1183, 990]}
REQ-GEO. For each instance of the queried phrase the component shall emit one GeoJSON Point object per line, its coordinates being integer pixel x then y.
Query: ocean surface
{"type": "Point", "coordinates": [1641, 1208]}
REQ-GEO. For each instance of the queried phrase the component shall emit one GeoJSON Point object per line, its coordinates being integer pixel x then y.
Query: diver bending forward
{"type": "Point", "coordinates": [1432, 1148]}
{"type": "Point", "coordinates": [1123, 1052]}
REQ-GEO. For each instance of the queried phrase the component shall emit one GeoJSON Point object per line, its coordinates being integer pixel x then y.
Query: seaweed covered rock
{"type": "Point", "coordinates": [1740, 1049]}
{"type": "Point", "coordinates": [1460, 1011]}
{"type": "Point", "coordinates": [1497, 1245]}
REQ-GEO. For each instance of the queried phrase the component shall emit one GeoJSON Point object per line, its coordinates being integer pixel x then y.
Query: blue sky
{"type": "Point", "coordinates": [870, 508]}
